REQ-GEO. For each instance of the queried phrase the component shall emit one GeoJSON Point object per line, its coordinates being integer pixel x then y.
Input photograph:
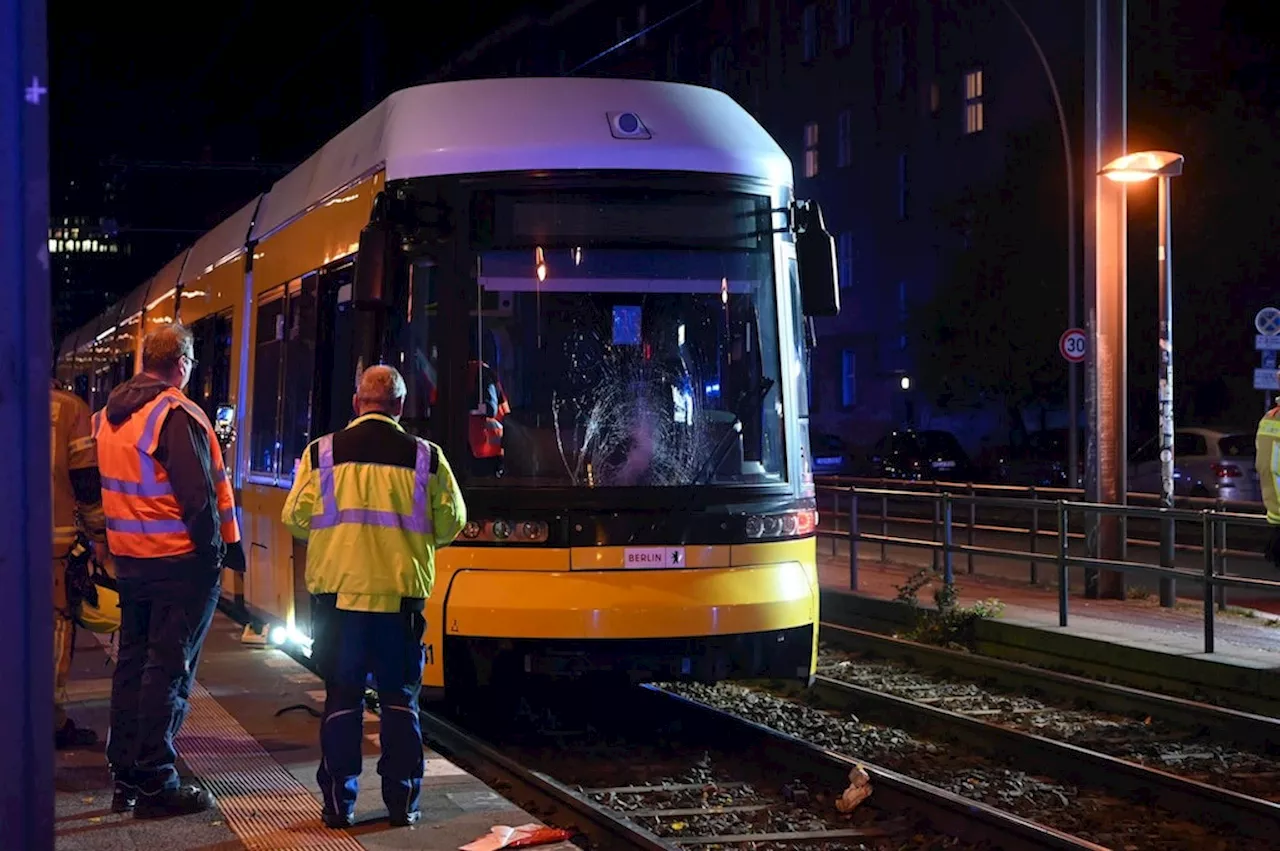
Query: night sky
{"type": "Point", "coordinates": [249, 80]}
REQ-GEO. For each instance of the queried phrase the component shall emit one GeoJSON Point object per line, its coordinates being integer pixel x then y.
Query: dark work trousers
{"type": "Point", "coordinates": [164, 619]}
{"type": "Point", "coordinates": [347, 647]}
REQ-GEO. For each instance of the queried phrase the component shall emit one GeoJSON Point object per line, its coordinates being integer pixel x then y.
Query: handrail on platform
{"type": "Point", "coordinates": [1212, 522]}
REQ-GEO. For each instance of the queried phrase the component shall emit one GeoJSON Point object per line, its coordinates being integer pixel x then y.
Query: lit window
{"type": "Point", "coordinates": [848, 378]}
{"type": "Point", "coordinates": [844, 139]}
{"type": "Point", "coordinates": [974, 120]}
{"type": "Point", "coordinates": [811, 149]}
{"type": "Point", "coordinates": [809, 23]}
{"type": "Point", "coordinates": [641, 14]}
{"type": "Point", "coordinates": [844, 23]}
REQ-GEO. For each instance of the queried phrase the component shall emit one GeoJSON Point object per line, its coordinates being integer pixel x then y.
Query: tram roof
{"type": "Point", "coordinates": [529, 124]}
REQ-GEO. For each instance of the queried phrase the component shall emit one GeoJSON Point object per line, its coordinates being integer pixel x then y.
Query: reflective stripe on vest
{"type": "Point", "coordinates": [418, 521]}
{"type": "Point", "coordinates": [152, 484]}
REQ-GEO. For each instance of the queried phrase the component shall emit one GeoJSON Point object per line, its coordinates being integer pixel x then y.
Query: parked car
{"type": "Point", "coordinates": [1207, 462]}
{"type": "Point", "coordinates": [923, 455]}
{"type": "Point", "coordinates": [1039, 461]}
{"type": "Point", "coordinates": [831, 455]}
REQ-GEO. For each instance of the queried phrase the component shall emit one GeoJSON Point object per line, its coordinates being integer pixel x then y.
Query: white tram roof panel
{"type": "Point", "coordinates": [526, 124]}
{"type": "Point", "coordinates": [223, 243]}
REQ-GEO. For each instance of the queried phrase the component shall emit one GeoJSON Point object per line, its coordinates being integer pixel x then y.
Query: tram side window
{"type": "Point", "coordinates": [122, 369]}
{"type": "Point", "coordinates": [283, 372]}
{"type": "Point", "coordinates": [334, 355]}
{"type": "Point", "coordinates": [210, 384]}
{"type": "Point", "coordinates": [264, 448]}
{"type": "Point", "coordinates": [299, 367]}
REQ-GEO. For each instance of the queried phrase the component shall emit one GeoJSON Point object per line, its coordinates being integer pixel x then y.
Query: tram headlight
{"type": "Point", "coordinates": [533, 530]}
{"type": "Point", "coordinates": [515, 532]}
{"type": "Point", "coordinates": [787, 524]}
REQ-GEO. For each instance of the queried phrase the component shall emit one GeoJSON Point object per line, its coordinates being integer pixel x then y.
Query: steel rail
{"type": "Point", "coordinates": [964, 818]}
{"type": "Point", "coordinates": [1247, 729]}
{"type": "Point", "coordinates": [1249, 815]}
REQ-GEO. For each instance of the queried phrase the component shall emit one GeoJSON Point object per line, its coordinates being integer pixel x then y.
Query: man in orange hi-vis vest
{"type": "Point", "coordinates": [171, 527]}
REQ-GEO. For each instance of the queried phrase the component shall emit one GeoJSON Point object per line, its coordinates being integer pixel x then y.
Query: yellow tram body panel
{"type": "Point", "coordinates": [605, 604]}
{"type": "Point", "coordinates": [533, 594]}
{"type": "Point", "coordinates": [757, 588]}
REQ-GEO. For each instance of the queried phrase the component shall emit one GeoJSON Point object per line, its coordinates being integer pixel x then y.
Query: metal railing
{"type": "Point", "coordinates": [1030, 500]}
{"type": "Point", "coordinates": [1212, 525]}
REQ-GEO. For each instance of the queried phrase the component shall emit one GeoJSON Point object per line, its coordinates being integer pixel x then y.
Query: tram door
{"type": "Point", "coordinates": [333, 385]}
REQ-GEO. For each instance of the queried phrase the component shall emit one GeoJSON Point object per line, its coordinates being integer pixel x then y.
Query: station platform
{"type": "Point", "coordinates": [1245, 638]}
{"type": "Point", "coordinates": [260, 765]}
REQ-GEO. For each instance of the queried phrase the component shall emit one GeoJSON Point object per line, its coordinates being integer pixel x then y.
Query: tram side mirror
{"type": "Point", "coordinates": [815, 261]}
{"type": "Point", "coordinates": [224, 425]}
{"type": "Point", "coordinates": [371, 283]}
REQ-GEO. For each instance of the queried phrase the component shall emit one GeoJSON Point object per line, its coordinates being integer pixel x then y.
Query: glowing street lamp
{"type": "Point", "coordinates": [1136, 168]}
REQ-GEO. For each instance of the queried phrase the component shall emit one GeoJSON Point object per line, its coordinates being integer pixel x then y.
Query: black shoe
{"type": "Point", "coordinates": [124, 798]}
{"type": "Point", "coordinates": [181, 801]}
{"type": "Point", "coordinates": [402, 819]}
{"type": "Point", "coordinates": [70, 736]}
{"type": "Point", "coordinates": [337, 821]}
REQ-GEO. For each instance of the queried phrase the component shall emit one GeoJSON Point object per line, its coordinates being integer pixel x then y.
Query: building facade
{"type": "Point", "coordinates": [894, 112]}
{"type": "Point", "coordinates": [87, 257]}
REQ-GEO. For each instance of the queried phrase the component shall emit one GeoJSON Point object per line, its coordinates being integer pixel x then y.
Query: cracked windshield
{"type": "Point", "coordinates": [626, 340]}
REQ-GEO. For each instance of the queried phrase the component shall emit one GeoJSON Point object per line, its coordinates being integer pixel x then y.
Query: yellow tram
{"type": "Point", "coordinates": [597, 291]}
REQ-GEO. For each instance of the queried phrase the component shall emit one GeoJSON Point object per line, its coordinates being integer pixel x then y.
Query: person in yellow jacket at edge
{"type": "Point", "coordinates": [77, 492]}
{"type": "Point", "coordinates": [373, 504]}
{"type": "Point", "coordinates": [1267, 461]}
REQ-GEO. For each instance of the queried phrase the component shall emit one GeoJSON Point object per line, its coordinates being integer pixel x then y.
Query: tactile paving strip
{"type": "Point", "coordinates": [264, 805]}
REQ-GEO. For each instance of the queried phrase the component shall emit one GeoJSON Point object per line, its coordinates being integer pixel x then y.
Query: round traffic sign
{"type": "Point", "coordinates": [1072, 344]}
{"type": "Point", "coordinates": [1267, 321]}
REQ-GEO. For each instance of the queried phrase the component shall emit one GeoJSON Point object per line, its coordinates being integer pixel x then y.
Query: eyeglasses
{"type": "Point", "coordinates": [190, 358]}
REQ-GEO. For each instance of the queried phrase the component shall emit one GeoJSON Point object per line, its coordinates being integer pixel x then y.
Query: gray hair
{"type": "Point", "coordinates": [381, 386]}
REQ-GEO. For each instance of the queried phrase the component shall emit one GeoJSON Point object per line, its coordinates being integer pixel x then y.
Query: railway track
{"type": "Point", "coordinates": [1134, 770]}
{"type": "Point", "coordinates": [968, 671]}
{"type": "Point", "coordinates": [649, 769]}
{"type": "Point", "coordinates": [1086, 799]}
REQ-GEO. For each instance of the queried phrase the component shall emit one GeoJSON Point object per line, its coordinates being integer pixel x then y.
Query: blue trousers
{"type": "Point", "coordinates": [164, 618]}
{"type": "Point", "coordinates": [346, 648]}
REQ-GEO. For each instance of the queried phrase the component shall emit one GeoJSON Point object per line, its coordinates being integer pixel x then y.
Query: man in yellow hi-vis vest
{"type": "Point", "coordinates": [373, 504]}
{"type": "Point", "coordinates": [1267, 460]}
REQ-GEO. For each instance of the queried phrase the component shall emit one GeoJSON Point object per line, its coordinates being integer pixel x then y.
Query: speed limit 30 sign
{"type": "Point", "coordinates": [1072, 344]}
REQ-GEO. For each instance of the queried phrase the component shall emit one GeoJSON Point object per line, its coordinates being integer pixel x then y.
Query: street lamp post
{"type": "Point", "coordinates": [1135, 168]}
